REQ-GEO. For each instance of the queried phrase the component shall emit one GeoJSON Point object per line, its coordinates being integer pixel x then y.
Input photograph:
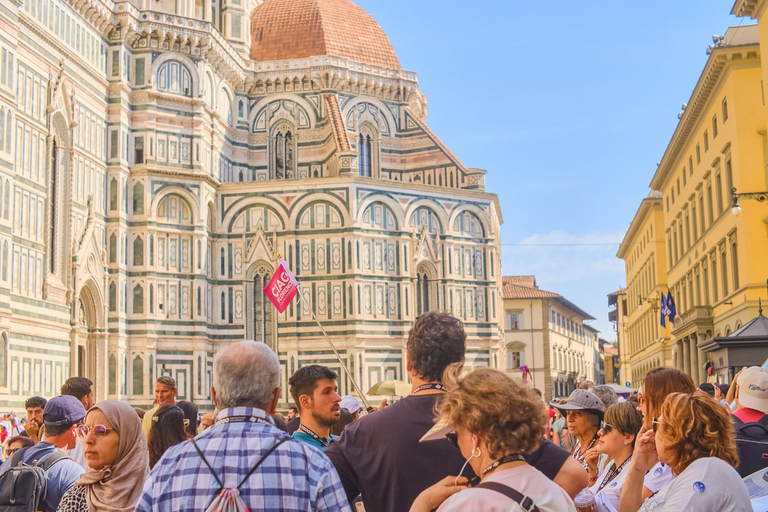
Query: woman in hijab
{"type": "Point", "coordinates": [118, 461]}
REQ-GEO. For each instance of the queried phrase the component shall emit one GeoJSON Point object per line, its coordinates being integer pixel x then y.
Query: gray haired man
{"type": "Point", "coordinates": [291, 475]}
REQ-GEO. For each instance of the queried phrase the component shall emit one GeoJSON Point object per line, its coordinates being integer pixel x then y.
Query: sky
{"type": "Point", "coordinates": [568, 106]}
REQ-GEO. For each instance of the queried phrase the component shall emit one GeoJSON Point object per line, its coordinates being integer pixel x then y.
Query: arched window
{"type": "Point", "coordinates": [138, 198]}
{"type": "Point", "coordinates": [151, 298]}
{"type": "Point", "coordinates": [422, 291]}
{"type": "Point", "coordinates": [138, 251]}
{"type": "Point", "coordinates": [224, 105]}
{"type": "Point", "coordinates": [2, 128]}
{"type": "Point", "coordinates": [223, 306]}
{"type": "Point", "coordinates": [138, 299]}
{"type": "Point", "coordinates": [364, 155]}
{"type": "Point", "coordinates": [174, 77]}
{"type": "Point", "coordinates": [4, 360]}
{"type": "Point", "coordinates": [283, 151]}
{"type": "Point", "coordinates": [8, 132]}
{"type": "Point", "coordinates": [5, 260]}
{"type": "Point", "coordinates": [112, 248]}
{"type": "Point", "coordinates": [113, 195]}
{"type": "Point", "coordinates": [515, 355]}
{"type": "Point", "coordinates": [112, 375]}
{"type": "Point", "coordinates": [138, 376]}
{"type": "Point", "coordinates": [261, 315]}
{"type": "Point", "coordinates": [112, 297]}
{"type": "Point", "coordinates": [7, 202]}
{"type": "Point", "coordinates": [222, 262]}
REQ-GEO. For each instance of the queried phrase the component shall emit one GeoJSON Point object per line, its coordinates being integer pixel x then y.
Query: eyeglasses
{"type": "Point", "coordinates": [98, 430]}
{"type": "Point", "coordinates": [656, 421]}
{"type": "Point", "coordinates": [453, 437]}
{"type": "Point", "coordinates": [607, 427]}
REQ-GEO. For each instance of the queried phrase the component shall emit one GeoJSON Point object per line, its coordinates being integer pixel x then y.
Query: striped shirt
{"type": "Point", "coordinates": [295, 477]}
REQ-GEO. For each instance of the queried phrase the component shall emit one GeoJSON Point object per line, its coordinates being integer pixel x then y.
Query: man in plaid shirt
{"type": "Point", "coordinates": [295, 477]}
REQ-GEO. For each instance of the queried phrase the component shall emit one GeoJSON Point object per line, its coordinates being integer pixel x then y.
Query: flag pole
{"type": "Point", "coordinates": [336, 352]}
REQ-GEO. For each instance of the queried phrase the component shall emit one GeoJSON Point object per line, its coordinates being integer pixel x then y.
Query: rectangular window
{"type": "Point", "coordinates": [139, 71]}
{"type": "Point", "coordinates": [706, 141]}
{"type": "Point", "coordinates": [138, 150]}
{"type": "Point", "coordinates": [701, 213]}
{"type": "Point", "coordinates": [714, 127]}
{"type": "Point", "coordinates": [236, 26]}
{"type": "Point", "coordinates": [715, 291]}
{"type": "Point", "coordinates": [725, 110]}
{"type": "Point", "coordinates": [698, 154]}
{"type": "Point", "coordinates": [724, 270]}
{"type": "Point", "coordinates": [116, 63]}
{"type": "Point", "coordinates": [514, 320]}
{"type": "Point", "coordinates": [710, 205]}
{"type": "Point", "coordinates": [719, 193]}
{"type": "Point", "coordinates": [735, 264]}
{"type": "Point", "coordinates": [113, 148]}
{"type": "Point", "coordinates": [728, 181]}
{"type": "Point", "coordinates": [694, 224]}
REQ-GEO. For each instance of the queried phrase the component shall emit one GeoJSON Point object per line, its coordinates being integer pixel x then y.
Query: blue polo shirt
{"type": "Point", "coordinates": [60, 477]}
{"type": "Point", "coordinates": [306, 438]}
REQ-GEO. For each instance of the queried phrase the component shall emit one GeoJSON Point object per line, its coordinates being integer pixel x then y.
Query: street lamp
{"type": "Point", "coordinates": [736, 207]}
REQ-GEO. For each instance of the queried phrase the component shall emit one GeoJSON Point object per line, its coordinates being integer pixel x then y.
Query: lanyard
{"type": "Point", "coordinates": [580, 456]}
{"type": "Point", "coordinates": [321, 440]}
{"type": "Point", "coordinates": [243, 419]}
{"type": "Point", "coordinates": [613, 473]}
{"type": "Point", "coordinates": [512, 457]}
{"type": "Point", "coordinates": [439, 387]}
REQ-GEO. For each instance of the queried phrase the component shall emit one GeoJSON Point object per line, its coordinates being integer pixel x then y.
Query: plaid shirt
{"type": "Point", "coordinates": [295, 477]}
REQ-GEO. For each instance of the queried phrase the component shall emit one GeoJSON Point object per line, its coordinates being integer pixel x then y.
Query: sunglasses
{"type": "Point", "coordinates": [453, 437]}
{"type": "Point", "coordinates": [656, 422]}
{"type": "Point", "coordinates": [98, 430]}
{"type": "Point", "coordinates": [607, 427]}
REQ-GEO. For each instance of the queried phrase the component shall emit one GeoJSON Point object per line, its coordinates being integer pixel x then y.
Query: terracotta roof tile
{"type": "Point", "coordinates": [294, 29]}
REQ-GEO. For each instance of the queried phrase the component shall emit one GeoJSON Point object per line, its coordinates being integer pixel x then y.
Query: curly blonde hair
{"type": "Point", "coordinates": [508, 416]}
{"type": "Point", "coordinates": [696, 426]}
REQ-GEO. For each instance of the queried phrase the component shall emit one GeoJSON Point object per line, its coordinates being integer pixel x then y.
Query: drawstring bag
{"type": "Point", "coordinates": [228, 499]}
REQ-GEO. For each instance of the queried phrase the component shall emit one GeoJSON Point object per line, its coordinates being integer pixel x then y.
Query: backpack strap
{"type": "Point", "coordinates": [254, 468]}
{"type": "Point", "coordinates": [525, 502]}
{"type": "Point", "coordinates": [269, 452]}
{"type": "Point", "coordinates": [52, 458]}
{"type": "Point", "coordinates": [200, 453]}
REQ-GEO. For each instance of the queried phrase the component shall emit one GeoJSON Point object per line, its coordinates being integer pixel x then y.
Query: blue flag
{"type": "Point", "coordinates": [671, 307]}
{"type": "Point", "coordinates": [663, 310]}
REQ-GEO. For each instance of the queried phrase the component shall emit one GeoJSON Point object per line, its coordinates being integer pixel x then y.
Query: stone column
{"type": "Point", "coordinates": [702, 359]}
{"type": "Point", "coordinates": [695, 373]}
{"type": "Point", "coordinates": [679, 355]}
{"type": "Point", "coordinates": [687, 356]}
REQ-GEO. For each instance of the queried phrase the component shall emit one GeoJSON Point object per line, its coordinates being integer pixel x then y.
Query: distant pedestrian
{"type": "Point", "coordinates": [80, 388]}
{"type": "Point", "coordinates": [191, 421]}
{"type": "Point", "coordinates": [118, 461]}
{"type": "Point", "coordinates": [165, 394]}
{"type": "Point", "coordinates": [708, 388]}
{"type": "Point", "coordinates": [167, 431]}
{"type": "Point", "coordinates": [606, 394]}
{"type": "Point", "coordinates": [291, 476]}
{"type": "Point", "coordinates": [34, 427]}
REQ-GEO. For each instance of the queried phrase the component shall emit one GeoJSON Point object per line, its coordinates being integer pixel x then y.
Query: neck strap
{"type": "Point", "coordinates": [512, 457]}
{"type": "Point", "coordinates": [243, 418]}
{"type": "Point", "coordinates": [325, 442]}
{"type": "Point", "coordinates": [431, 385]}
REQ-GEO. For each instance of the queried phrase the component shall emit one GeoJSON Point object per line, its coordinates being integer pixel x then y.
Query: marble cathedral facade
{"type": "Point", "coordinates": [157, 156]}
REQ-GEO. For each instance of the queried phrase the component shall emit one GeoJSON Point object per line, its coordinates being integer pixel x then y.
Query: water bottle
{"type": "Point", "coordinates": [585, 501]}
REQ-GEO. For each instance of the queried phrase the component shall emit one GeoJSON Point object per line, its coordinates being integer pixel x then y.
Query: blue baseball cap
{"type": "Point", "coordinates": [63, 410]}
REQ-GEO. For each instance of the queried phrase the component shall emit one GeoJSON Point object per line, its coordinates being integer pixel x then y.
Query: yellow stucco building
{"type": "Point", "coordinates": [685, 236]}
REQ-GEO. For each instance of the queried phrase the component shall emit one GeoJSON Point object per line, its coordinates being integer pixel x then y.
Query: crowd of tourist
{"type": "Point", "coordinates": [460, 441]}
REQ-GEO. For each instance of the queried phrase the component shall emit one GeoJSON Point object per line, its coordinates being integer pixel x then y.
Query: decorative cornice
{"type": "Point", "coordinates": [721, 58]}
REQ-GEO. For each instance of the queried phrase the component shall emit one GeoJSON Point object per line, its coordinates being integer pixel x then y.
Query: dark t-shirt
{"type": "Point", "coordinates": [381, 458]}
{"type": "Point", "coordinates": [293, 425]}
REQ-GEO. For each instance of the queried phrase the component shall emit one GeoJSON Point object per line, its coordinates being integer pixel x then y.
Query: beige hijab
{"type": "Point", "coordinates": [118, 487]}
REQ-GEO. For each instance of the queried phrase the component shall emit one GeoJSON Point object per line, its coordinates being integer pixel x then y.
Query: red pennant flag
{"type": "Point", "coordinates": [282, 288]}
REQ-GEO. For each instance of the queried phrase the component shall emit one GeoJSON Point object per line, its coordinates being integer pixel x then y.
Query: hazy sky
{"type": "Point", "coordinates": [567, 105]}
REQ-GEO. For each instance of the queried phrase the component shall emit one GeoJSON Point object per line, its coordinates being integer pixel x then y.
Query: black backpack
{"type": "Point", "coordinates": [752, 442]}
{"type": "Point", "coordinates": [22, 486]}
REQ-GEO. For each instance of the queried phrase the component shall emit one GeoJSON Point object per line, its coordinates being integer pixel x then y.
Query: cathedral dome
{"type": "Point", "coordinates": [294, 29]}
